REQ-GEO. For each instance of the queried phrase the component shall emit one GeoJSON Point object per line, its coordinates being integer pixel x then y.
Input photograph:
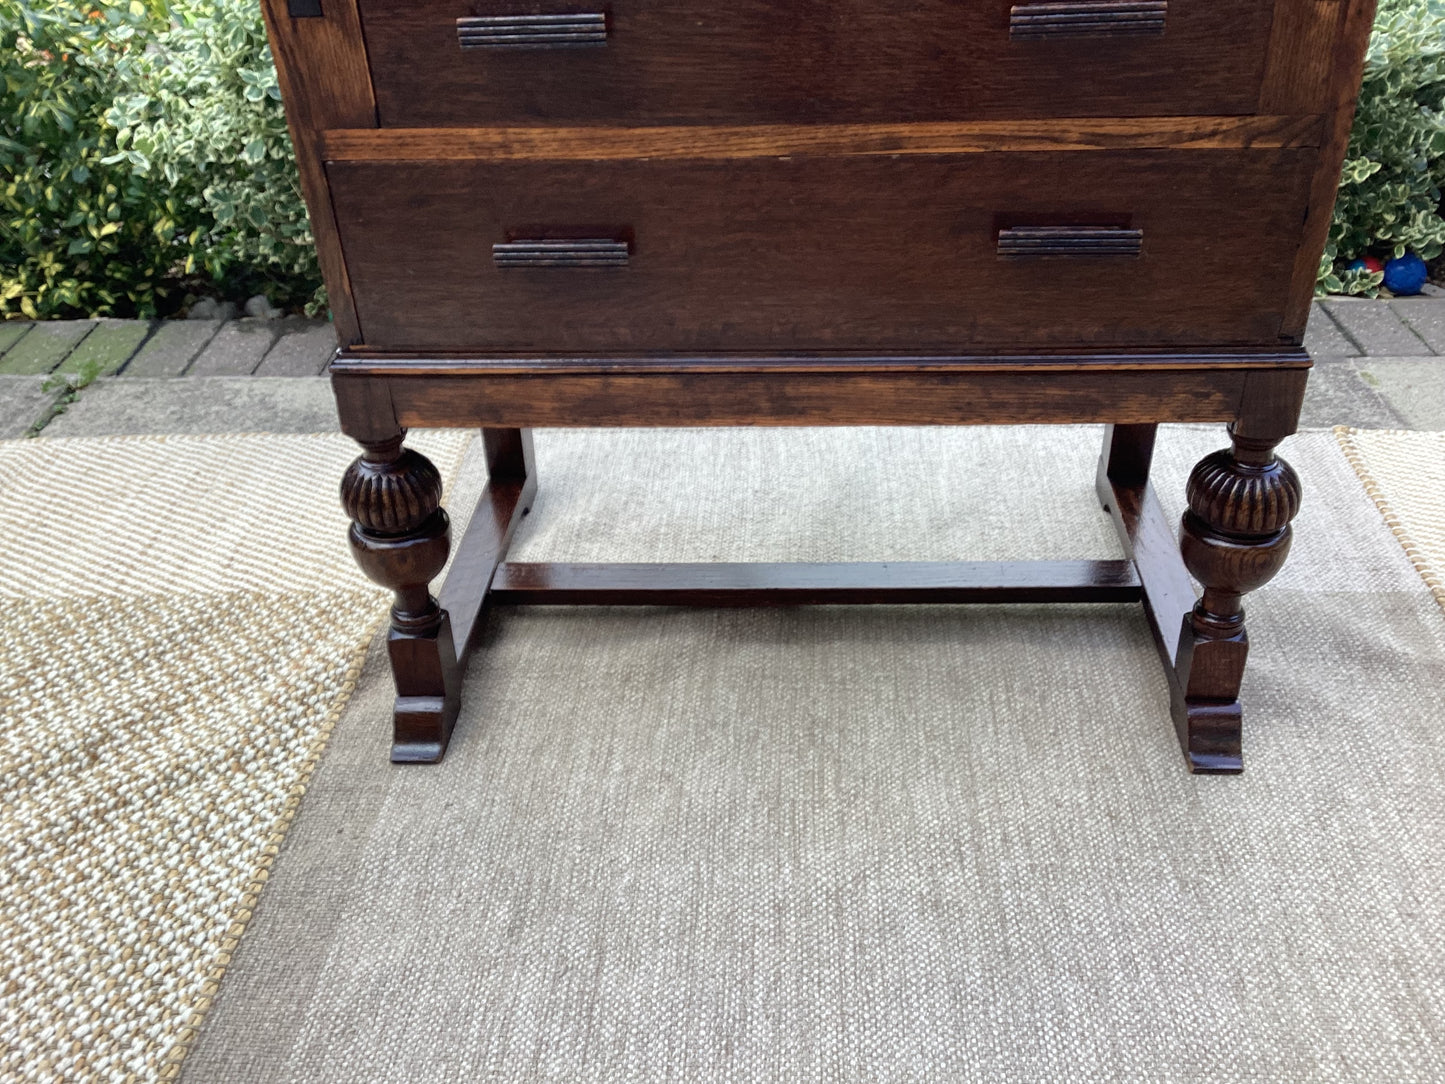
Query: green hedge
{"type": "Point", "coordinates": [1389, 198]}
{"type": "Point", "coordinates": [144, 158]}
{"type": "Point", "coordinates": [79, 233]}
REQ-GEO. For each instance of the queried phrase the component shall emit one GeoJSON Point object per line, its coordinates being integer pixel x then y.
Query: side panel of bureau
{"type": "Point", "coordinates": [925, 253]}
{"type": "Point", "coordinates": [808, 61]}
{"type": "Point", "coordinates": [321, 64]}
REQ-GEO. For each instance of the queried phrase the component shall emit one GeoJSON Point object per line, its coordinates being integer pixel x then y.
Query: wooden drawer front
{"type": "Point", "coordinates": [934, 253]}
{"type": "Point", "coordinates": [754, 61]}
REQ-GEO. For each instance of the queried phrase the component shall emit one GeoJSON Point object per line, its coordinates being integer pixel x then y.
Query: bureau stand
{"type": "Point", "coordinates": [537, 213]}
{"type": "Point", "coordinates": [1234, 537]}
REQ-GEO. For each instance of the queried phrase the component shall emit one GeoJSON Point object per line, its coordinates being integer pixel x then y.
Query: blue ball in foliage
{"type": "Point", "coordinates": [1405, 275]}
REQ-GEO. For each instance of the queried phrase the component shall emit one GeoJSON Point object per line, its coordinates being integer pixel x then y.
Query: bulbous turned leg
{"type": "Point", "coordinates": [1234, 538]}
{"type": "Point", "coordinates": [400, 537]}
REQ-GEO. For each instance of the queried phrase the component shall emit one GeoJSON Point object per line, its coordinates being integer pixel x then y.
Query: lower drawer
{"type": "Point", "coordinates": [945, 253]}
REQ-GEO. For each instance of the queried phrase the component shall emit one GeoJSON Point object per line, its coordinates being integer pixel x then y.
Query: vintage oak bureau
{"type": "Point", "coordinates": [821, 212]}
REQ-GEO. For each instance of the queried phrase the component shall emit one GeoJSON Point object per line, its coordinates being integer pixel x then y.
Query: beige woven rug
{"type": "Point", "coordinates": [1404, 473]}
{"type": "Point", "coordinates": [899, 844]}
{"type": "Point", "coordinates": [181, 625]}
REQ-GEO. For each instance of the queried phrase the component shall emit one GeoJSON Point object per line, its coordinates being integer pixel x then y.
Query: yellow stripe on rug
{"type": "Point", "coordinates": [182, 625]}
{"type": "Point", "coordinates": [1403, 471]}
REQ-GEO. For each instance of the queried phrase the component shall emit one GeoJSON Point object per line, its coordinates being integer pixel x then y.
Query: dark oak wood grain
{"type": "Point", "coordinates": [688, 399]}
{"type": "Point", "coordinates": [400, 537]}
{"type": "Point", "coordinates": [1234, 538]}
{"type": "Point", "coordinates": [511, 488]}
{"type": "Point", "coordinates": [362, 360]}
{"type": "Point", "coordinates": [679, 61]}
{"type": "Point", "coordinates": [1128, 455]}
{"type": "Point", "coordinates": [321, 65]}
{"type": "Point", "coordinates": [1270, 404]}
{"type": "Point", "coordinates": [1301, 58]}
{"type": "Point", "coordinates": [1145, 533]}
{"type": "Point", "coordinates": [600, 143]}
{"type": "Point", "coordinates": [1346, 57]}
{"type": "Point", "coordinates": [763, 584]}
{"type": "Point", "coordinates": [820, 253]}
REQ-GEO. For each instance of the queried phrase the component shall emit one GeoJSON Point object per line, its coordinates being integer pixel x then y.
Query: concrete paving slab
{"type": "Point", "coordinates": [110, 345]}
{"type": "Point", "coordinates": [118, 406]}
{"type": "Point", "coordinates": [304, 349]}
{"type": "Point", "coordinates": [236, 350]}
{"type": "Point", "coordinates": [1323, 337]}
{"type": "Point", "coordinates": [45, 347]}
{"type": "Point", "coordinates": [1375, 327]}
{"type": "Point", "coordinates": [11, 332]}
{"type": "Point", "coordinates": [1425, 317]}
{"type": "Point", "coordinates": [172, 348]}
{"type": "Point", "coordinates": [1413, 386]}
{"type": "Point", "coordinates": [21, 403]}
{"type": "Point", "coordinates": [1338, 395]}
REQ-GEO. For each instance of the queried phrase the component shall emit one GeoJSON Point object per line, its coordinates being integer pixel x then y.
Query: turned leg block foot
{"type": "Point", "coordinates": [428, 693]}
{"type": "Point", "coordinates": [432, 715]}
{"type": "Point", "coordinates": [400, 537]}
{"type": "Point", "coordinates": [1234, 539]}
{"type": "Point", "coordinates": [1209, 721]}
{"type": "Point", "coordinates": [1210, 735]}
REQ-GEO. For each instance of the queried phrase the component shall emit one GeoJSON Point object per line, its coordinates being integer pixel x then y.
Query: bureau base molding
{"type": "Point", "coordinates": [1233, 539]}
{"type": "Point", "coordinates": [521, 393]}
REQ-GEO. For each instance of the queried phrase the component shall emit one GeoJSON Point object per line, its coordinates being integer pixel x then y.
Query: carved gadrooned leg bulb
{"type": "Point", "coordinates": [1234, 538]}
{"type": "Point", "coordinates": [399, 533]}
{"type": "Point", "coordinates": [400, 537]}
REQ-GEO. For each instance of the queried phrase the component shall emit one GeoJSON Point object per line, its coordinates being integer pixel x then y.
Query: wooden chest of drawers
{"type": "Point", "coordinates": [665, 212]}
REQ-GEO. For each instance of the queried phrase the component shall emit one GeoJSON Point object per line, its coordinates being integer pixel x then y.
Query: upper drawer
{"type": "Point", "coordinates": [479, 62]}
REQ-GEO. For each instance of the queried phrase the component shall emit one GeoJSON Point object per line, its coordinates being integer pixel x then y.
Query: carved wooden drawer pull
{"type": "Point", "coordinates": [582, 252]}
{"type": "Point", "coordinates": [587, 30]}
{"type": "Point", "coordinates": [1083, 18]}
{"type": "Point", "coordinates": [1069, 241]}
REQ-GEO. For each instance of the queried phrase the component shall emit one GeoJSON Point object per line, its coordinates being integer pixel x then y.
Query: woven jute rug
{"type": "Point", "coordinates": [876, 844]}
{"type": "Point", "coordinates": [181, 625]}
{"type": "Point", "coordinates": [1404, 474]}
